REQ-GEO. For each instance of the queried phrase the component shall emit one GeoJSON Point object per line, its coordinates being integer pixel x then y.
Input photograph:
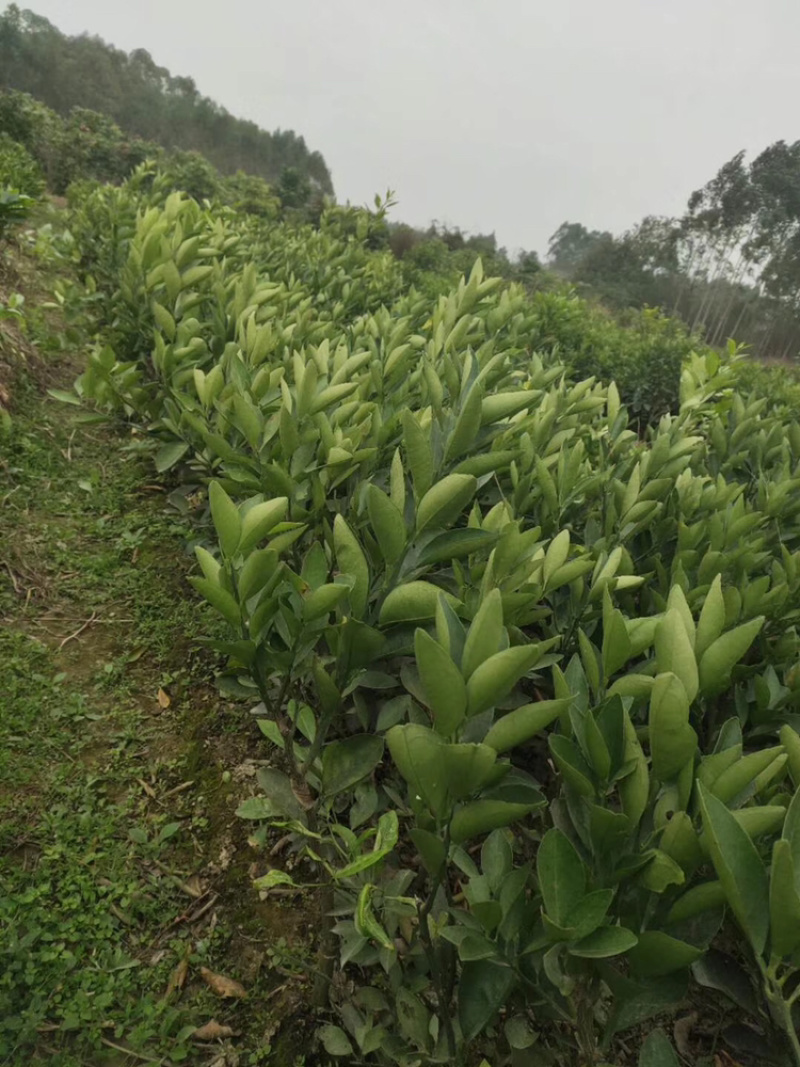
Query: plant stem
{"type": "Point", "coordinates": [444, 987]}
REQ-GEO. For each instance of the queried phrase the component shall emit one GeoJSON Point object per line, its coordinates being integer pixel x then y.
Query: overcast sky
{"type": "Point", "coordinates": [494, 115]}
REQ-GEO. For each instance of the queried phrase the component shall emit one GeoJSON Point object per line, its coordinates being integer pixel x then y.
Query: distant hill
{"type": "Point", "coordinates": [145, 100]}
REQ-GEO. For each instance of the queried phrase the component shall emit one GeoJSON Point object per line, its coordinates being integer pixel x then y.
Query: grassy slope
{"type": "Point", "coordinates": [120, 855]}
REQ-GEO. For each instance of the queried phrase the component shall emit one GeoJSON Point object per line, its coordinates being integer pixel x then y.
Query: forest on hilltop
{"type": "Point", "coordinates": [146, 100]}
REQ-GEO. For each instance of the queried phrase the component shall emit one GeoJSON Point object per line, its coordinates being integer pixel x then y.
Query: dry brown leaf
{"type": "Point", "coordinates": [163, 699]}
{"type": "Point", "coordinates": [305, 797]}
{"type": "Point", "coordinates": [681, 1031]}
{"type": "Point", "coordinates": [178, 977]}
{"type": "Point", "coordinates": [212, 1031]}
{"type": "Point", "coordinates": [193, 886]}
{"type": "Point", "coordinates": [222, 986]}
{"type": "Point", "coordinates": [147, 788]}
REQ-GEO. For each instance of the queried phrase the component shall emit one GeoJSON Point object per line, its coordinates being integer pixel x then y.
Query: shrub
{"type": "Point", "coordinates": [526, 664]}
{"type": "Point", "coordinates": [18, 171]}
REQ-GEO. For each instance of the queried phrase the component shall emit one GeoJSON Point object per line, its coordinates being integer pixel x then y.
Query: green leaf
{"type": "Point", "coordinates": [210, 566]}
{"type": "Point", "coordinates": [708, 896]}
{"type": "Point", "coordinates": [226, 519]}
{"type": "Point", "coordinates": [589, 912]}
{"type": "Point", "coordinates": [722, 655]}
{"type": "Point", "coordinates": [385, 840]}
{"type": "Point", "coordinates": [556, 556]}
{"type": "Point", "coordinates": [657, 953]}
{"type": "Point", "coordinates": [256, 808]}
{"type": "Point", "coordinates": [521, 724]}
{"type": "Point", "coordinates": [482, 816]}
{"type": "Point", "coordinates": [413, 602]}
{"type": "Point", "coordinates": [397, 483]}
{"type": "Point", "coordinates": [739, 869]}
{"type": "Point", "coordinates": [605, 942]}
{"type": "Point", "coordinates": [344, 763]}
{"type": "Point", "coordinates": [466, 768]}
{"type": "Point", "coordinates": [388, 524]}
{"type": "Point", "coordinates": [661, 872]}
{"type": "Point", "coordinates": [322, 601]}
{"type": "Point", "coordinates": [334, 1040]}
{"type": "Point", "coordinates": [168, 455]}
{"type": "Point", "coordinates": [65, 397]}
{"type": "Point", "coordinates": [562, 876]}
{"type": "Point", "coordinates": [258, 569]}
{"type": "Point", "coordinates": [445, 501]}
{"type": "Point", "coordinates": [712, 618]}
{"type": "Point", "coordinates": [574, 769]}
{"type": "Point", "coordinates": [416, 751]}
{"type": "Point", "coordinates": [503, 405]}
{"type": "Point", "coordinates": [498, 675]}
{"type": "Point", "coordinates": [419, 453]}
{"type": "Point", "coordinates": [456, 544]}
{"type": "Point", "coordinates": [674, 652]}
{"type": "Point", "coordinates": [784, 901]}
{"type": "Point", "coordinates": [482, 990]}
{"type": "Point", "coordinates": [220, 599]}
{"type": "Point", "coordinates": [467, 425]}
{"type": "Point", "coordinates": [442, 682]}
{"type": "Point", "coordinates": [497, 859]}
{"type": "Point", "coordinates": [431, 849]}
{"type": "Point", "coordinates": [744, 770]}
{"type": "Point", "coordinates": [485, 633]}
{"type": "Point", "coordinates": [657, 1051]}
{"type": "Point", "coordinates": [260, 519]}
{"type": "Point", "coordinates": [634, 789]}
{"type": "Point", "coordinates": [673, 741]}
{"type": "Point", "coordinates": [617, 648]}
{"type": "Point", "coordinates": [351, 560]}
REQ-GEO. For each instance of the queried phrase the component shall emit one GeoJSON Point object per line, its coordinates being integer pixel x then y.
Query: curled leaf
{"type": "Point", "coordinates": [212, 1031]}
{"type": "Point", "coordinates": [222, 986]}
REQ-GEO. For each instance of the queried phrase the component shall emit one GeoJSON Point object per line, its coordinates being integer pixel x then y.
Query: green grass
{"type": "Point", "coordinates": [98, 827]}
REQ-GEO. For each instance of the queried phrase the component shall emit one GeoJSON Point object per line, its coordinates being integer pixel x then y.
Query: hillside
{"type": "Point", "coordinates": [404, 669]}
{"type": "Point", "coordinates": [145, 100]}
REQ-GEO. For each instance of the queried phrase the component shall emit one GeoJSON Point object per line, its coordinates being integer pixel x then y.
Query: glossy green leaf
{"type": "Point", "coordinates": [498, 675]}
{"type": "Point", "coordinates": [413, 602]}
{"type": "Point", "coordinates": [675, 653]}
{"type": "Point", "coordinates": [673, 741]}
{"type": "Point", "coordinates": [657, 1051]}
{"type": "Point", "coordinates": [739, 869]}
{"type": "Point", "coordinates": [561, 874]}
{"type": "Point", "coordinates": [346, 762]}
{"type": "Point", "coordinates": [722, 655]}
{"type": "Point", "coordinates": [445, 501]}
{"type": "Point", "coordinates": [351, 560]}
{"type": "Point", "coordinates": [226, 519]}
{"type": "Point", "coordinates": [482, 990]}
{"type": "Point", "coordinates": [485, 633]}
{"type": "Point", "coordinates": [387, 523]}
{"type": "Point", "coordinates": [657, 953]}
{"type": "Point", "coordinates": [520, 725]}
{"type": "Point", "coordinates": [442, 682]}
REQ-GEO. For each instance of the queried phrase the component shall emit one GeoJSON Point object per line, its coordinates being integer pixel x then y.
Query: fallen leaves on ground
{"type": "Point", "coordinates": [222, 986]}
{"type": "Point", "coordinates": [212, 1031]}
{"type": "Point", "coordinates": [178, 977]}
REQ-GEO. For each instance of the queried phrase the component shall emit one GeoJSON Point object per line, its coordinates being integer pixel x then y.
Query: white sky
{"type": "Point", "coordinates": [507, 116]}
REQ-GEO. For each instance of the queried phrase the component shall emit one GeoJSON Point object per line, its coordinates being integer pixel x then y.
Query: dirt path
{"type": "Point", "coordinates": [123, 870]}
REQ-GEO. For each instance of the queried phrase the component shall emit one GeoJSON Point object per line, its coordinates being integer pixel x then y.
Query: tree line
{"type": "Point", "coordinates": [147, 101]}
{"type": "Point", "coordinates": [729, 266]}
